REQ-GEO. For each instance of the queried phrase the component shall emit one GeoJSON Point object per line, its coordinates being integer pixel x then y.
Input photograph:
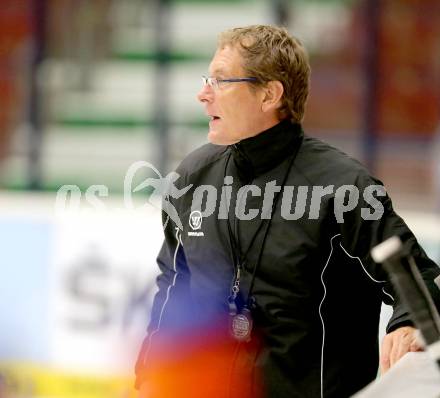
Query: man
{"type": "Point", "coordinates": [282, 286]}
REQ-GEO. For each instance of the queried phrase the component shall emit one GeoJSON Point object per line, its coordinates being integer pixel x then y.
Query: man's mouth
{"type": "Point", "coordinates": [214, 118]}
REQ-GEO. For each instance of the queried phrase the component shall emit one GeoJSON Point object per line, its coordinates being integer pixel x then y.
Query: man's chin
{"type": "Point", "coordinates": [219, 138]}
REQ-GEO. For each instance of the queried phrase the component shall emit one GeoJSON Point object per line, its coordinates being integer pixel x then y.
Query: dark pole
{"type": "Point", "coordinates": [280, 10]}
{"type": "Point", "coordinates": [372, 68]}
{"type": "Point", "coordinates": [161, 96]}
{"type": "Point", "coordinates": [35, 104]}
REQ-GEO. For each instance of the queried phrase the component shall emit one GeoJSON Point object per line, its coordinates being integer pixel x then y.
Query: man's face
{"type": "Point", "coordinates": [234, 108]}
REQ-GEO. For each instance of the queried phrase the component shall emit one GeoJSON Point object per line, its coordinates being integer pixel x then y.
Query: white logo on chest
{"type": "Point", "coordinates": [195, 222]}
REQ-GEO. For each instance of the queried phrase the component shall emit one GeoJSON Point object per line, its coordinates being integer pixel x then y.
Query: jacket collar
{"type": "Point", "coordinates": [256, 155]}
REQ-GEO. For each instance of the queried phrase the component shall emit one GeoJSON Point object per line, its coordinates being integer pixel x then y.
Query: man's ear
{"type": "Point", "coordinates": [273, 92]}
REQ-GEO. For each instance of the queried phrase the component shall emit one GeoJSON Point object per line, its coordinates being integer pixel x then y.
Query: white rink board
{"type": "Point", "coordinates": [96, 282]}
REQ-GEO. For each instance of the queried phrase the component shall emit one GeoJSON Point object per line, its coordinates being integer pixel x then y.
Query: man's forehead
{"type": "Point", "coordinates": [225, 60]}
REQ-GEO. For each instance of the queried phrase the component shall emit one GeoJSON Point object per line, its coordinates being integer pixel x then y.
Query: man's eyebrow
{"type": "Point", "coordinates": [218, 71]}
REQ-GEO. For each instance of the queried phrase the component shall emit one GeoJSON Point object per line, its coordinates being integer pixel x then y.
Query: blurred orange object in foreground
{"type": "Point", "coordinates": [203, 367]}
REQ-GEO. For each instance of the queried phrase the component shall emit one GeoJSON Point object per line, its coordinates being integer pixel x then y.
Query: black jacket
{"type": "Point", "coordinates": [317, 292]}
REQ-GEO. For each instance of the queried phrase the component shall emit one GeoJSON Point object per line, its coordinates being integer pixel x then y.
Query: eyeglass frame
{"type": "Point", "coordinates": [215, 82]}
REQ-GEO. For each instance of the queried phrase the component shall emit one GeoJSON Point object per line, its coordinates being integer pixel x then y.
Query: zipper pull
{"type": "Point", "coordinates": [234, 292]}
{"type": "Point", "coordinates": [236, 286]}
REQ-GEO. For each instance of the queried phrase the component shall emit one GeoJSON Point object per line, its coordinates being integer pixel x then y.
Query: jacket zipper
{"type": "Point", "coordinates": [236, 283]}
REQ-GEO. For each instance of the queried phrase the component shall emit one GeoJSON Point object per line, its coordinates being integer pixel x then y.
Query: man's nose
{"type": "Point", "coordinates": [206, 94]}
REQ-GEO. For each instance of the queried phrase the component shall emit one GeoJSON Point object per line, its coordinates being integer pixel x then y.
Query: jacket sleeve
{"type": "Point", "coordinates": [371, 222]}
{"type": "Point", "coordinates": [170, 304]}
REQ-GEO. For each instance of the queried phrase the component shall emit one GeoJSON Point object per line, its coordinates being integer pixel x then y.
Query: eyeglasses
{"type": "Point", "coordinates": [215, 83]}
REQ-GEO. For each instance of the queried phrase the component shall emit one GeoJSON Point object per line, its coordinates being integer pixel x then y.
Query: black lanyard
{"type": "Point", "coordinates": [240, 259]}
